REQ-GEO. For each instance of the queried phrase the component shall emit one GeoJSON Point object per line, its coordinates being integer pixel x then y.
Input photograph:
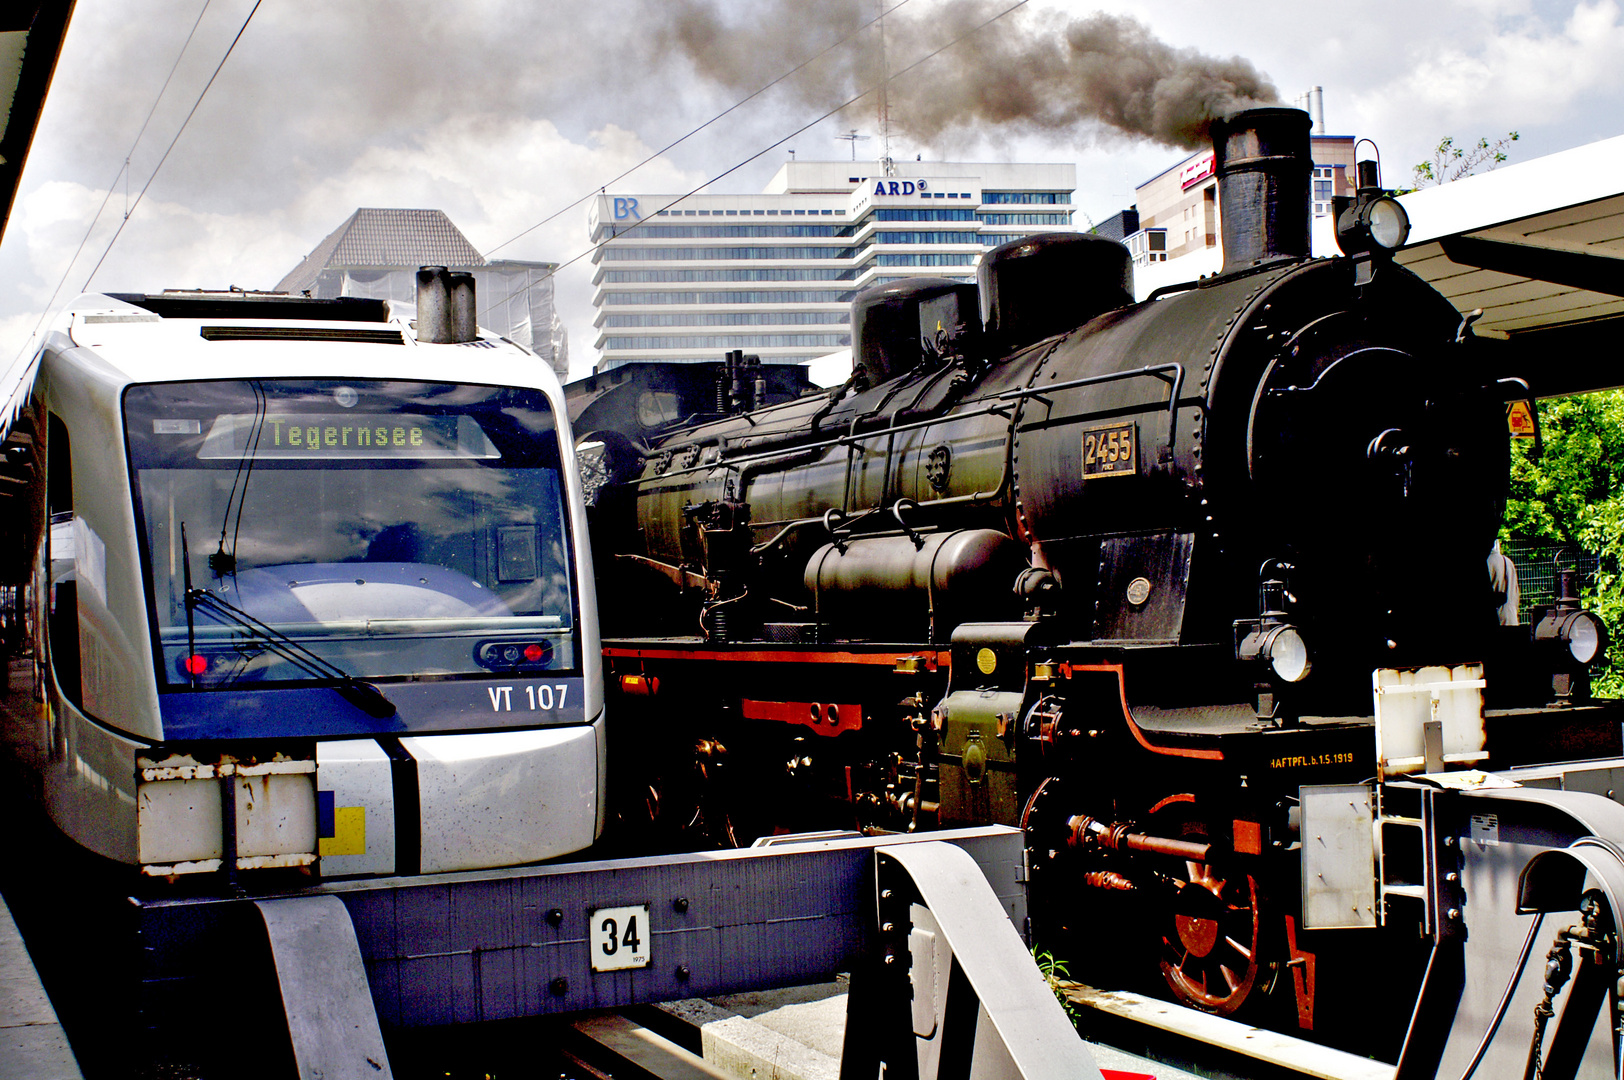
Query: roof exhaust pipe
{"type": "Point", "coordinates": [446, 309]}
{"type": "Point", "coordinates": [434, 305]}
{"type": "Point", "coordinates": [464, 316]}
{"type": "Point", "coordinates": [1265, 166]}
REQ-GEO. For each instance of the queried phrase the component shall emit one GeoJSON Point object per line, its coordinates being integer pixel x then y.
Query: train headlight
{"type": "Point", "coordinates": [1287, 653]}
{"type": "Point", "coordinates": [1389, 225]}
{"type": "Point", "coordinates": [1579, 633]}
{"type": "Point", "coordinates": [1281, 646]}
{"type": "Point", "coordinates": [1370, 224]}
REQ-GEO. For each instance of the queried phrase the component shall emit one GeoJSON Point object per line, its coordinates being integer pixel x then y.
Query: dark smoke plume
{"type": "Point", "coordinates": [1024, 72]}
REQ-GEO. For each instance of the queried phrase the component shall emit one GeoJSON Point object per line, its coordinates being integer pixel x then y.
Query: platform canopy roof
{"type": "Point", "coordinates": [31, 33]}
{"type": "Point", "coordinates": [1539, 246]}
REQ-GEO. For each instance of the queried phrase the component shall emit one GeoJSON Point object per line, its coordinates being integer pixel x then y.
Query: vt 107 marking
{"type": "Point", "coordinates": [542, 698]}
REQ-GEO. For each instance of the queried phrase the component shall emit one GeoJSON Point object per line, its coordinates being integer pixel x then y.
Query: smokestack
{"type": "Point", "coordinates": [1264, 170]}
{"type": "Point", "coordinates": [1319, 110]}
{"type": "Point", "coordinates": [434, 305]}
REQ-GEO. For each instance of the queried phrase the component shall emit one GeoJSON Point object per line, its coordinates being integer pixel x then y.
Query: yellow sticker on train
{"type": "Point", "coordinates": [349, 833]}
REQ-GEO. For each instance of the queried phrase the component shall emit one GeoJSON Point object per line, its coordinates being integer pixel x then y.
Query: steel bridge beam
{"type": "Point", "coordinates": [534, 941]}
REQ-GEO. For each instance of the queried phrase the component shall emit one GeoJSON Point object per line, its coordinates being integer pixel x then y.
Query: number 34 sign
{"type": "Point", "coordinates": [619, 938]}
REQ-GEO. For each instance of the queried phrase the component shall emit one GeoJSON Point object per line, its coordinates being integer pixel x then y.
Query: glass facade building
{"type": "Point", "coordinates": [688, 278]}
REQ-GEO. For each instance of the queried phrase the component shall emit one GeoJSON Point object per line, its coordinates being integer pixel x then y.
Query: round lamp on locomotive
{"type": "Point", "coordinates": [1571, 639]}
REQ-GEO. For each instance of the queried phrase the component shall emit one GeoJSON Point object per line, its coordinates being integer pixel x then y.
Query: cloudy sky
{"type": "Point", "coordinates": [503, 112]}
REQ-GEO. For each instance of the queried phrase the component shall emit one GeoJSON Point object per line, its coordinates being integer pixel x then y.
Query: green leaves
{"type": "Point", "coordinates": [1575, 494]}
{"type": "Point", "coordinates": [1054, 973]}
{"type": "Point", "coordinates": [1451, 162]}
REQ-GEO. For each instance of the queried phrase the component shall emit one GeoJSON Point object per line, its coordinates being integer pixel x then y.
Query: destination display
{"type": "Point", "coordinates": [346, 436]}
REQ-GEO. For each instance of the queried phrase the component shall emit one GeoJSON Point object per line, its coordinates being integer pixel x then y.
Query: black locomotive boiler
{"type": "Point", "coordinates": [1132, 576]}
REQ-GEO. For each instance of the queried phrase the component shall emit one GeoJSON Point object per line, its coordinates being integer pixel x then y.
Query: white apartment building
{"type": "Point", "coordinates": [692, 277]}
{"type": "Point", "coordinates": [1177, 215]}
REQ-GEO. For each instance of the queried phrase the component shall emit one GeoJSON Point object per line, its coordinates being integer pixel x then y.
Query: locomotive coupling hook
{"type": "Point", "coordinates": [1085, 831]}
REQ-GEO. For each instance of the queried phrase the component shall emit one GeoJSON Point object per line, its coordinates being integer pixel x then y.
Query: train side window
{"type": "Point", "coordinates": [62, 631]}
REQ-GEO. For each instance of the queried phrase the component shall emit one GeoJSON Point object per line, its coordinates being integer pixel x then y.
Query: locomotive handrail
{"type": "Point", "coordinates": [838, 440]}
{"type": "Point", "coordinates": [1154, 370]}
{"type": "Point", "coordinates": [1157, 371]}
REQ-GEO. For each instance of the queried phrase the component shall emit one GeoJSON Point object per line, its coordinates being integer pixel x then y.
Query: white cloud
{"type": "Point", "coordinates": [495, 176]}
{"type": "Point", "coordinates": [505, 113]}
{"type": "Point", "coordinates": [1514, 76]}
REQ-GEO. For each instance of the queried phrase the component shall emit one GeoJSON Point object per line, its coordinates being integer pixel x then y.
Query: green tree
{"type": "Point", "coordinates": [1574, 493]}
{"type": "Point", "coordinates": [1451, 162]}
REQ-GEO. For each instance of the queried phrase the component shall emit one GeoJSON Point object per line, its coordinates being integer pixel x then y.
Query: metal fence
{"type": "Point", "coordinates": [1537, 562]}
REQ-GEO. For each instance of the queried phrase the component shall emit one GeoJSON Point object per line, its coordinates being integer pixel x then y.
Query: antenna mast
{"type": "Point", "coordinates": [853, 138]}
{"type": "Point", "coordinates": [887, 166]}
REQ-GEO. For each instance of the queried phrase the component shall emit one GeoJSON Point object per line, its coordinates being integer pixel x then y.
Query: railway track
{"type": "Point", "coordinates": [1199, 1044]}
{"type": "Point", "coordinates": [1132, 1036]}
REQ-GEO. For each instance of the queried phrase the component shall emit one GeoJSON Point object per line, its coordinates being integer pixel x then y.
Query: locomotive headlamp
{"type": "Point", "coordinates": [1574, 633]}
{"type": "Point", "coordinates": [1584, 635]}
{"type": "Point", "coordinates": [1281, 647]}
{"type": "Point", "coordinates": [1379, 222]}
{"type": "Point", "coordinates": [1374, 221]}
{"type": "Point", "coordinates": [1387, 222]}
{"type": "Point", "coordinates": [1287, 653]}
{"type": "Point", "coordinates": [1571, 639]}
{"type": "Point", "coordinates": [1270, 639]}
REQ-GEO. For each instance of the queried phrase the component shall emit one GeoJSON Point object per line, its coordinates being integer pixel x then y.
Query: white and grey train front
{"type": "Point", "coordinates": [314, 593]}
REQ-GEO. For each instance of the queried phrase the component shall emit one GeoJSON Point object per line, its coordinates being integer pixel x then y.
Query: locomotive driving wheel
{"type": "Point", "coordinates": [1212, 933]}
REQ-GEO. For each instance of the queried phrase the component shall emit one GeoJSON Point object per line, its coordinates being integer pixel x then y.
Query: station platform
{"type": "Point", "coordinates": [32, 1043]}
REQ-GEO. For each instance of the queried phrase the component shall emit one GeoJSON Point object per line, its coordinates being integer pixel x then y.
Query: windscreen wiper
{"type": "Point", "coordinates": [363, 695]}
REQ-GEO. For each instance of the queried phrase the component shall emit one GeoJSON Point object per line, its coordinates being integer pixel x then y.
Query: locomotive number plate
{"type": "Point", "coordinates": [619, 938]}
{"type": "Point", "coordinates": [1111, 450]}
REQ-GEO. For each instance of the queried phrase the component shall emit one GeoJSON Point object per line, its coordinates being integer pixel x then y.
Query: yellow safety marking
{"type": "Point", "coordinates": [1520, 419]}
{"type": "Point", "coordinates": [349, 833]}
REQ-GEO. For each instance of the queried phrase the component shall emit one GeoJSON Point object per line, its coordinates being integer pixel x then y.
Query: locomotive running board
{"type": "Point", "coordinates": [566, 938]}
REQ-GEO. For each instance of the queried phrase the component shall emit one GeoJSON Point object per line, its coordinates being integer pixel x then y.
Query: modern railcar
{"type": "Point", "coordinates": [307, 589]}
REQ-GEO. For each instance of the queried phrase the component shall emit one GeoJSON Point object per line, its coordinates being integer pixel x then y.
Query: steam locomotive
{"type": "Point", "coordinates": [1144, 579]}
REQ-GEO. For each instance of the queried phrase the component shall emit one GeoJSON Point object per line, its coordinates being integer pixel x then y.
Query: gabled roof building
{"type": "Point", "coordinates": [376, 253]}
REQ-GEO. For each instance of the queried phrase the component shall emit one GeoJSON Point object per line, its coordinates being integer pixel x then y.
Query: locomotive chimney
{"type": "Point", "coordinates": [1264, 167]}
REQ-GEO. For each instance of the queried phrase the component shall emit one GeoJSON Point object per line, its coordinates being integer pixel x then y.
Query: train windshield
{"type": "Point", "coordinates": [324, 529]}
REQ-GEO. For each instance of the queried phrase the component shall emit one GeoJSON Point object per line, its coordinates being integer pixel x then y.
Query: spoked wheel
{"type": "Point", "coordinates": [1212, 933]}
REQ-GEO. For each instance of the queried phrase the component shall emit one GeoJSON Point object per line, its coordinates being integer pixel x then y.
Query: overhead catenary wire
{"type": "Point", "coordinates": [123, 170]}
{"type": "Point", "coordinates": [178, 133]}
{"type": "Point", "coordinates": [679, 141]}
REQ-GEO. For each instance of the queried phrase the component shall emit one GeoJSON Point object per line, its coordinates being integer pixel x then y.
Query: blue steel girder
{"type": "Point", "coordinates": [502, 944]}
